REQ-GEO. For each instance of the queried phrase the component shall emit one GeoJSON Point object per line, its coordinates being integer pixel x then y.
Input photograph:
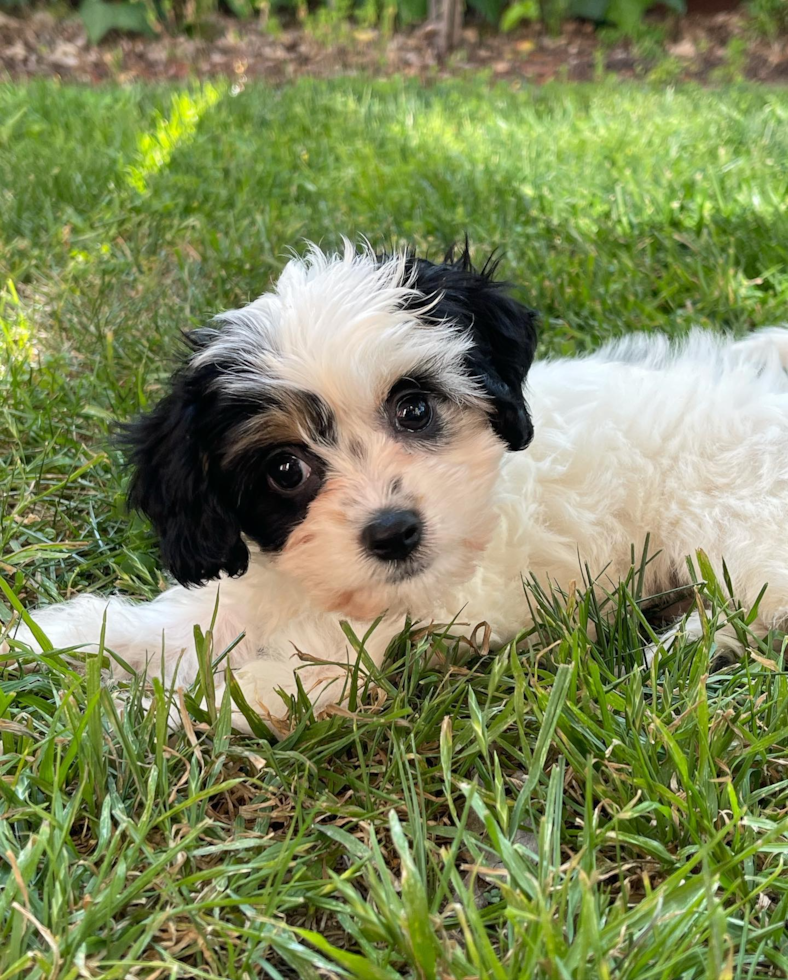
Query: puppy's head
{"type": "Point", "coordinates": [349, 424]}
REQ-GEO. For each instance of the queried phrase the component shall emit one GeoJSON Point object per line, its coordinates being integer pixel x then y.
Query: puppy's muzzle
{"type": "Point", "coordinates": [393, 535]}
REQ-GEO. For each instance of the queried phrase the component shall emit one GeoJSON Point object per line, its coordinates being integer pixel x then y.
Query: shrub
{"type": "Point", "coordinates": [769, 18]}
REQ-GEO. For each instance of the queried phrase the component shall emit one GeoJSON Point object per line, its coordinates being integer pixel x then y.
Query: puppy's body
{"type": "Point", "coordinates": [328, 381]}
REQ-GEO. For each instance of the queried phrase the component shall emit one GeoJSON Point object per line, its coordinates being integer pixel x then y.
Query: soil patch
{"type": "Point", "coordinates": [714, 48]}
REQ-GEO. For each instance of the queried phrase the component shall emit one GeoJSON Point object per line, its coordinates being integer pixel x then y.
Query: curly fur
{"type": "Point", "coordinates": [686, 442]}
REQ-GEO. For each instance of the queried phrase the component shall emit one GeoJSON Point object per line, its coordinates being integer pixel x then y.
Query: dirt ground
{"type": "Point", "coordinates": [709, 47]}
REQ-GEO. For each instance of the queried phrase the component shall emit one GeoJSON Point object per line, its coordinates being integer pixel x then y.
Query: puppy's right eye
{"type": "Point", "coordinates": [286, 472]}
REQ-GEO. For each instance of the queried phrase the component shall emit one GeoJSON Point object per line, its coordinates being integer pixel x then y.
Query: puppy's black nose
{"type": "Point", "coordinates": [392, 534]}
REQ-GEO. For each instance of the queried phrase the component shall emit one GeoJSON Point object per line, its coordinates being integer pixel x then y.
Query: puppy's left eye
{"type": "Point", "coordinates": [413, 411]}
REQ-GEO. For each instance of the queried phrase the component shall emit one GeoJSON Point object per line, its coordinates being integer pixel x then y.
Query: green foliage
{"type": "Point", "coordinates": [647, 40]}
{"type": "Point", "coordinates": [627, 15]}
{"type": "Point", "coordinates": [554, 809]}
{"type": "Point", "coordinates": [594, 10]}
{"type": "Point", "coordinates": [733, 68]}
{"type": "Point", "coordinates": [328, 18]}
{"type": "Point", "coordinates": [667, 71]}
{"type": "Point", "coordinates": [411, 11]}
{"type": "Point", "coordinates": [769, 18]}
{"type": "Point", "coordinates": [552, 14]}
{"type": "Point", "coordinates": [100, 18]}
{"type": "Point", "coordinates": [517, 12]}
{"type": "Point", "coordinates": [491, 10]}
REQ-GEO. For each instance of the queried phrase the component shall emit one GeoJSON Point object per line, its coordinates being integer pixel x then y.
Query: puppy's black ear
{"type": "Point", "coordinates": [503, 333]}
{"type": "Point", "coordinates": [173, 485]}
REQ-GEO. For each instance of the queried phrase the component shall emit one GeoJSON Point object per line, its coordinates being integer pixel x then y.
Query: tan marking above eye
{"type": "Point", "coordinates": [299, 540]}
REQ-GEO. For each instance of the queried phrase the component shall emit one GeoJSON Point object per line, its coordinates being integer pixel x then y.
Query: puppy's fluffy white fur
{"type": "Point", "coordinates": [687, 442]}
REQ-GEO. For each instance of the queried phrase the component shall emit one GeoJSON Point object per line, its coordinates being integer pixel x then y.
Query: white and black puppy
{"type": "Point", "coordinates": [358, 442]}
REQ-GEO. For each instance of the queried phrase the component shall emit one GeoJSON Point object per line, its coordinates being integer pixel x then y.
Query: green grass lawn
{"type": "Point", "coordinates": [550, 811]}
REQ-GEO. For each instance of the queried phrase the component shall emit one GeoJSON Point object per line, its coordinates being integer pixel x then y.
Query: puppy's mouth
{"type": "Point", "coordinates": [398, 572]}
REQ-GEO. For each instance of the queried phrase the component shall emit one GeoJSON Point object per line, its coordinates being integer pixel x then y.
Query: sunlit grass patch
{"type": "Point", "coordinates": [155, 148]}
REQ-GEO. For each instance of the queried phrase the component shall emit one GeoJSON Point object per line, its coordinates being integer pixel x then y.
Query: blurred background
{"type": "Point", "coordinates": [665, 41]}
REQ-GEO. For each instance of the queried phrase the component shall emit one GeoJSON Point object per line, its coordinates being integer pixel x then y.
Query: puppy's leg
{"type": "Point", "coordinates": [158, 637]}
{"type": "Point", "coordinates": [155, 636]}
{"type": "Point", "coordinates": [765, 347]}
{"type": "Point", "coordinates": [725, 637]}
{"type": "Point", "coordinates": [290, 653]}
{"type": "Point", "coordinates": [263, 683]}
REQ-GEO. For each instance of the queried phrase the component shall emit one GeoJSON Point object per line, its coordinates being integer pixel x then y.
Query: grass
{"type": "Point", "coordinates": [550, 810]}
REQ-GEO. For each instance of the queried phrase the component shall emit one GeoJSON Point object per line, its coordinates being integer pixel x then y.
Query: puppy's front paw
{"type": "Point", "coordinates": [725, 638]}
{"type": "Point", "coordinates": [666, 642]}
{"type": "Point", "coordinates": [19, 633]}
{"type": "Point", "coordinates": [261, 680]}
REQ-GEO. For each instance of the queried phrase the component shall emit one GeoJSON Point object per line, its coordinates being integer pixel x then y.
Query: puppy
{"type": "Point", "coordinates": [359, 442]}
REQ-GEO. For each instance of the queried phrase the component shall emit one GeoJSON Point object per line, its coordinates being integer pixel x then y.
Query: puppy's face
{"type": "Point", "coordinates": [350, 425]}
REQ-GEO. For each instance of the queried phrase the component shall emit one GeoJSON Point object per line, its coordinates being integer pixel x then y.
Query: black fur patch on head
{"type": "Point", "coordinates": [199, 502]}
{"type": "Point", "coordinates": [503, 333]}
{"type": "Point", "coordinates": [175, 481]}
{"type": "Point", "coordinates": [266, 516]}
